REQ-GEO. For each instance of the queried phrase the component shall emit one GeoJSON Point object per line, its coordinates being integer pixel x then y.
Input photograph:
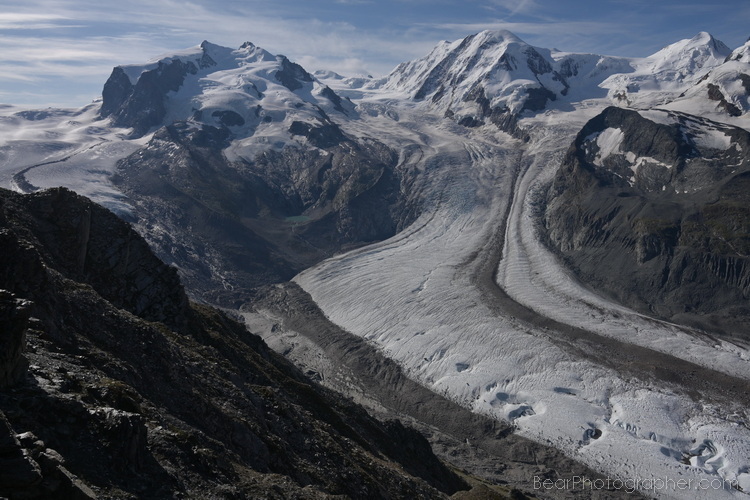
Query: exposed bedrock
{"type": "Point", "coordinates": [667, 211]}
{"type": "Point", "coordinates": [230, 226]}
{"type": "Point", "coordinates": [141, 393]}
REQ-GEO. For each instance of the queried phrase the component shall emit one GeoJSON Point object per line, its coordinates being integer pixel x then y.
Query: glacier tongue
{"type": "Point", "coordinates": [416, 297]}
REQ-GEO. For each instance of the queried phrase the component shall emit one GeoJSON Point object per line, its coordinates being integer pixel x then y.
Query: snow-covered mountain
{"type": "Point", "coordinates": [248, 91]}
{"type": "Point", "coordinates": [495, 64]}
{"type": "Point", "coordinates": [667, 74]}
{"type": "Point", "coordinates": [726, 87]}
{"type": "Point", "coordinates": [495, 76]}
{"type": "Point", "coordinates": [455, 214]}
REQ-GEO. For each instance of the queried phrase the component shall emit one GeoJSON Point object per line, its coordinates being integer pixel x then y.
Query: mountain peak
{"type": "Point", "coordinates": [688, 58]}
{"type": "Point", "coordinates": [708, 39]}
{"type": "Point", "coordinates": [703, 36]}
{"type": "Point", "coordinates": [498, 36]}
{"type": "Point", "coordinates": [216, 86]}
{"type": "Point", "coordinates": [492, 74]}
{"type": "Point", "coordinates": [701, 48]}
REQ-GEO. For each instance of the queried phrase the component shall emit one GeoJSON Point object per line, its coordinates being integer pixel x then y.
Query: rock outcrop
{"type": "Point", "coordinates": [14, 319]}
{"type": "Point", "coordinates": [142, 105]}
{"type": "Point", "coordinates": [665, 204]}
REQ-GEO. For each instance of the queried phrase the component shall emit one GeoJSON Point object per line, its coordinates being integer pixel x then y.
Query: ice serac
{"type": "Point", "coordinates": [667, 202]}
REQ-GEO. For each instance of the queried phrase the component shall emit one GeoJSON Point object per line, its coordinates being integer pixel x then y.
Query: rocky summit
{"type": "Point", "coordinates": [664, 200]}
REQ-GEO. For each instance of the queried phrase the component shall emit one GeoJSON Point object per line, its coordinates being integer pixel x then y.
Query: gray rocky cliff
{"type": "Point", "coordinates": [14, 319]}
{"type": "Point", "coordinates": [142, 105]}
{"type": "Point", "coordinates": [666, 209]}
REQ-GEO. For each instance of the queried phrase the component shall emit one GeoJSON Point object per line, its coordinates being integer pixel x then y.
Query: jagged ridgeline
{"type": "Point", "coordinates": [128, 390]}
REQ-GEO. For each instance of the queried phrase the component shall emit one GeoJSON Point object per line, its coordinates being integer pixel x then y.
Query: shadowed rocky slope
{"type": "Point", "coordinates": [131, 391]}
{"type": "Point", "coordinates": [231, 226]}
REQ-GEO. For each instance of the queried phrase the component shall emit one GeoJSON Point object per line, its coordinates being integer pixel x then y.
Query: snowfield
{"type": "Point", "coordinates": [71, 148]}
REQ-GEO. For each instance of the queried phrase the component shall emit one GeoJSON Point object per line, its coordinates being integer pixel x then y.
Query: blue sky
{"type": "Point", "coordinates": [60, 52]}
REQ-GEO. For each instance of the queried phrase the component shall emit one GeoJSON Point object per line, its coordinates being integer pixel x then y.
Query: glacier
{"type": "Point", "coordinates": [417, 297]}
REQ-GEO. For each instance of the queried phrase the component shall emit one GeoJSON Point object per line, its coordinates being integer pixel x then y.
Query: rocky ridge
{"type": "Point", "coordinates": [231, 226]}
{"type": "Point", "coordinates": [661, 196]}
{"type": "Point", "coordinates": [133, 391]}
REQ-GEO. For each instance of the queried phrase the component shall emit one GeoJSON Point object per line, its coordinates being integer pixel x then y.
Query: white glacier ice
{"type": "Point", "coordinates": [415, 298]}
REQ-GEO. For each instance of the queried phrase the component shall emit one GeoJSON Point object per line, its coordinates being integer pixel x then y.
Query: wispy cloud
{"type": "Point", "coordinates": [31, 21]}
{"type": "Point", "coordinates": [85, 39]}
{"type": "Point", "coordinates": [514, 7]}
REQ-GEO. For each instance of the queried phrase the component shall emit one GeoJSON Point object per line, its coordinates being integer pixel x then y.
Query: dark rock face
{"type": "Point", "coordinates": [324, 136]}
{"type": "Point", "coordinates": [117, 90]}
{"type": "Point", "coordinates": [84, 242]}
{"type": "Point", "coordinates": [263, 220]}
{"type": "Point", "coordinates": [291, 75]}
{"type": "Point", "coordinates": [669, 212]}
{"type": "Point", "coordinates": [229, 118]}
{"type": "Point", "coordinates": [714, 93]}
{"type": "Point", "coordinates": [500, 116]}
{"type": "Point", "coordinates": [142, 106]}
{"type": "Point", "coordinates": [28, 469]}
{"type": "Point", "coordinates": [335, 100]}
{"type": "Point", "coordinates": [17, 471]}
{"type": "Point", "coordinates": [14, 318]}
{"type": "Point", "coordinates": [117, 403]}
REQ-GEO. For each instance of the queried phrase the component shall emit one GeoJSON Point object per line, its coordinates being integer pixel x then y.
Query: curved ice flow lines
{"type": "Point", "coordinates": [414, 297]}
